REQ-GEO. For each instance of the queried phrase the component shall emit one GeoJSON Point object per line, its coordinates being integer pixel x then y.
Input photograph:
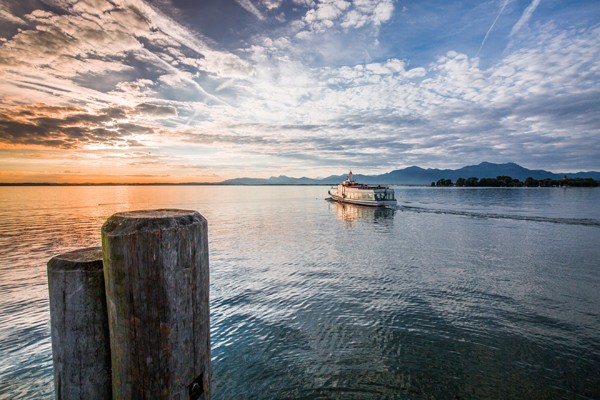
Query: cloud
{"type": "Point", "coordinates": [504, 4]}
{"type": "Point", "coordinates": [156, 110]}
{"type": "Point", "coordinates": [271, 4]}
{"type": "Point", "coordinates": [368, 12]}
{"type": "Point", "coordinates": [7, 15]}
{"type": "Point", "coordinates": [453, 111]}
{"type": "Point", "coordinates": [326, 14]}
{"type": "Point", "coordinates": [71, 127]}
{"type": "Point", "coordinates": [251, 8]}
{"type": "Point", "coordinates": [524, 17]}
{"type": "Point", "coordinates": [221, 66]}
{"type": "Point", "coordinates": [115, 44]}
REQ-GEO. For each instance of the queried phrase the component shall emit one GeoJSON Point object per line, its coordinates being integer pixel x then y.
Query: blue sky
{"type": "Point", "coordinates": [182, 90]}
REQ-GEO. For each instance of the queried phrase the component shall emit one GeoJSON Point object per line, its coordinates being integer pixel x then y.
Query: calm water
{"type": "Point", "coordinates": [459, 293]}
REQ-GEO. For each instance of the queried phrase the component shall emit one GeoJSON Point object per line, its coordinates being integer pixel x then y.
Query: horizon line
{"type": "Point", "coordinates": [226, 182]}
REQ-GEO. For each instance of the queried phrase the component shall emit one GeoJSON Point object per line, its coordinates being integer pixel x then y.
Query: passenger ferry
{"type": "Point", "coordinates": [366, 195]}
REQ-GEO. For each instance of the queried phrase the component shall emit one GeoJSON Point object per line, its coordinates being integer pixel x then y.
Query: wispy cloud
{"type": "Point", "coordinates": [504, 4]}
{"type": "Point", "coordinates": [7, 15]}
{"type": "Point", "coordinates": [251, 8]}
{"type": "Point", "coordinates": [525, 17]}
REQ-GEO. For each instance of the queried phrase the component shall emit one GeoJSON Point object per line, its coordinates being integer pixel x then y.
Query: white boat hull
{"type": "Point", "coordinates": [372, 203]}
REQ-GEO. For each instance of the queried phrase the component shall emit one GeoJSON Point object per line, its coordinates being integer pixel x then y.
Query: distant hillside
{"type": "Point", "coordinates": [274, 180]}
{"type": "Point", "coordinates": [419, 176]}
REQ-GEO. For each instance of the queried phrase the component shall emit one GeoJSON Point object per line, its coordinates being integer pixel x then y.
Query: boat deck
{"type": "Point", "coordinates": [364, 186]}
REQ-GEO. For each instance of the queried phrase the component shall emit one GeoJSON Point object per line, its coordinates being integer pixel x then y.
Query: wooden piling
{"type": "Point", "coordinates": [157, 283]}
{"type": "Point", "coordinates": [79, 325]}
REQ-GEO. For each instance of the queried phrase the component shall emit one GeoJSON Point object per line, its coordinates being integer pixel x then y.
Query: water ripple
{"type": "Point", "coordinates": [516, 217]}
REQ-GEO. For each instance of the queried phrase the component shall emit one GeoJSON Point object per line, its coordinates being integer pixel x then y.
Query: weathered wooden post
{"type": "Point", "coordinates": [156, 273]}
{"type": "Point", "coordinates": [79, 325]}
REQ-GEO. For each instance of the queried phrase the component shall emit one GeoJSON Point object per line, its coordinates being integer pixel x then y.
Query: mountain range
{"type": "Point", "coordinates": [420, 176]}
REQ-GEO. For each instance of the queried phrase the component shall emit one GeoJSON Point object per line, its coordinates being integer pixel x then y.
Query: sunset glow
{"type": "Point", "coordinates": [126, 91]}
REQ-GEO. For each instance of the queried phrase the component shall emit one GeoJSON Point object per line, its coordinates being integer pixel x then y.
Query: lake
{"type": "Point", "coordinates": [464, 293]}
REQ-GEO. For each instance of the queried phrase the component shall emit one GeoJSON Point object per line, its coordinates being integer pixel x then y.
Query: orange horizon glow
{"type": "Point", "coordinates": [80, 179]}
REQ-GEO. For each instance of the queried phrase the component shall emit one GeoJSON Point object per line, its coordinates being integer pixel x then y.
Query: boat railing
{"type": "Point", "coordinates": [365, 186]}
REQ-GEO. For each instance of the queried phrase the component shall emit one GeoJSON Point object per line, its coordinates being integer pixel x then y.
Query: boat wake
{"type": "Point", "coordinates": [485, 215]}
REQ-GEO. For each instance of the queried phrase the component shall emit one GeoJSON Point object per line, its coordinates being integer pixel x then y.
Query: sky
{"type": "Point", "coordinates": [203, 91]}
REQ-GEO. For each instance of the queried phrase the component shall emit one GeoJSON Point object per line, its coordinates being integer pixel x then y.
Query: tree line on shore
{"type": "Point", "coordinates": [507, 181]}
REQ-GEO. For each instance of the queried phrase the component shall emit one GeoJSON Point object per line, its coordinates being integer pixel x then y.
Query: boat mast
{"type": "Point", "coordinates": [349, 177]}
